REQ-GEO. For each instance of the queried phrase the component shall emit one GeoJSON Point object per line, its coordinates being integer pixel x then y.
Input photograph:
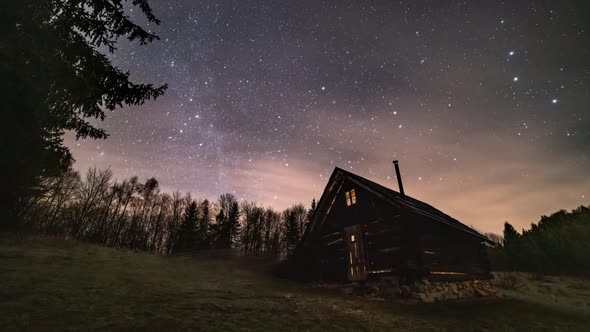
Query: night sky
{"type": "Point", "coordinates": [486, 105]}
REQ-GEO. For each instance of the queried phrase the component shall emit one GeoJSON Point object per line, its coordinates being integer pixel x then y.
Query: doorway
{"type": "Point", "coordinates": [356, 255]}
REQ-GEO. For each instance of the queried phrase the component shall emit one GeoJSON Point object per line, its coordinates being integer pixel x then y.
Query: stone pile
{"type": "Point", "coordinates": [423, 290]}
{"type": "Point", "coordinates": [429, 292]}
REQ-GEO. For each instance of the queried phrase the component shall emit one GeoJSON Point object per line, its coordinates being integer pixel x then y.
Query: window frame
{"type": "Point", "coordinates": [351, 197]}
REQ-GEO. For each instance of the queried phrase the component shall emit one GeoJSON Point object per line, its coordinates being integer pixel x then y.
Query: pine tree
{"type": "Point", "coordinates": [510, 234]}
{"type": "Point", "coordinates": [309, 216]}
{"type": "Point", "coordinates": [512, 246]}
{"type": "Point", "coordinates": [227, 225]}
{"type": "Point", "coordinates": [218, 229]}
{"type": "Point", "coordinates": [55, 79]}
{"type": "Point", "coordinates": [291, 231]}
{"type": "Point", "coordinates": [188, 236]}
{"type": "Point", "coordinates": [204, 225]}
{"type": "Point", "coordinates": [233, 225]}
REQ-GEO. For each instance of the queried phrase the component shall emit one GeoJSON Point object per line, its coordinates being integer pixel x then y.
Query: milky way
{"type": "Point", "coordinates": [487, 106]}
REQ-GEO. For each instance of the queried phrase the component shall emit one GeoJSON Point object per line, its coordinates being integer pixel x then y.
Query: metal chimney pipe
{"type": "Point", "coordinates": [399, 179]}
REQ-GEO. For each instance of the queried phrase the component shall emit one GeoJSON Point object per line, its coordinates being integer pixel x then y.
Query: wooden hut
{"type": "Point", "coordinates": [362, 230]}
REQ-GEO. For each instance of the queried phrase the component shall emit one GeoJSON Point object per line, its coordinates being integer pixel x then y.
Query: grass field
{"type": "Point", "coordinates": [56, 284]}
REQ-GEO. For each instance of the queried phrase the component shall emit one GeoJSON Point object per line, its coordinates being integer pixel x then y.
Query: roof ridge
{"type": "Point", "coordinates": [411, 202]}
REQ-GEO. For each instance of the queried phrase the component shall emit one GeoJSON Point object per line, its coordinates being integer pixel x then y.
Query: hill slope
{"type": "Point", "coordinates": [55, 284]}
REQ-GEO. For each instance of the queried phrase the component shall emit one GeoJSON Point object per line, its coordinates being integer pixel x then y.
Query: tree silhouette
{"type": "Point", "coordinates": [54, 79]}
{"type": "Point", "coordinates": [510, 234]}
{"type": "Point", "coordinates": [233, 225]}
{"type": "Point", "coordinates": [300, 215]}
{"type": "Point", "coordinates": [227, 226]}
{"type": "Point", "coordinates": [272, 232]}
{"type": "Point", "coordinates": [557, 244]}
{"type": "Point", "coordinates": [204, 225]}
{"type": "Point", "coordinates": [136, 215]}
{"type": "Point", "coordinates": [291, 233]}
{"type": "Point", "coordinates": [187, 236]}
{"type": "Point", "coordinates": [310, 212]}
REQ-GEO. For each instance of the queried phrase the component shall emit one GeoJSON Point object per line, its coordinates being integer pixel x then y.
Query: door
{"type": "Point", "coordinates": [355, 248]}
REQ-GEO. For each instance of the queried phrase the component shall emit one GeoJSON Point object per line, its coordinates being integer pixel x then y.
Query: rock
{"type": "Point", "coordinates": [422, 290]}
{"type": "Point", "coordinates": [392, 280]}
{"type": "Point", "coordinates": [348, 290]}
{"type": "Point", "coordinates": [426, 298]}
{"type": "Point", "coordinates": [393, 291]}
{"type": "Point", "coordinates": [405, 291]}
{"type": "Point", "coordinates": [372, 290]}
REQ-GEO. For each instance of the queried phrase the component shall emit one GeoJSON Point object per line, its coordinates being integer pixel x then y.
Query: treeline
{"type": "Point", "coordinates": [138, 216]}
{"type": "Point", "coordinates": [557, 244]}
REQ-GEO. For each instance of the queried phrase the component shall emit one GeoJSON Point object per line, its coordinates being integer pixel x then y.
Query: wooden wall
{"type": "Point", "coordinates": [396, 240]}
{"type": "Point", "coordinates": [448, 253]}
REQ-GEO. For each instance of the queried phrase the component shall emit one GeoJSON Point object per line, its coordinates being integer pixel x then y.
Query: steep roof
{"type": "Point", "coordinates": [408, 202]}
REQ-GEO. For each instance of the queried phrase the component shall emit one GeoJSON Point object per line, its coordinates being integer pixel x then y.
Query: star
{"type": "Point", "coordinates": [248, 107]}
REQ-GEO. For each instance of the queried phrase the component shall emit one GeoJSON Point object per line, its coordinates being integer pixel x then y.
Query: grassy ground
{"type": "Point", "coordinates": [560, 292]}
{"type": "Point", "coordinates": [55, 284]}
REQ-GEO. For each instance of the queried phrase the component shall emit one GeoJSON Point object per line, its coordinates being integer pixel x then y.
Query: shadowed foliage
{"type": "Point", "coordinates": [57, 78]}
{"type": "Point", "coordinates": [557, 244]}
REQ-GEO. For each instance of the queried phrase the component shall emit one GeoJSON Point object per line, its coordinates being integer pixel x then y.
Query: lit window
{"type": "Point", "coordinates": [352, 238]}
{"type": "Point", "coordinates": [350, 197]}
